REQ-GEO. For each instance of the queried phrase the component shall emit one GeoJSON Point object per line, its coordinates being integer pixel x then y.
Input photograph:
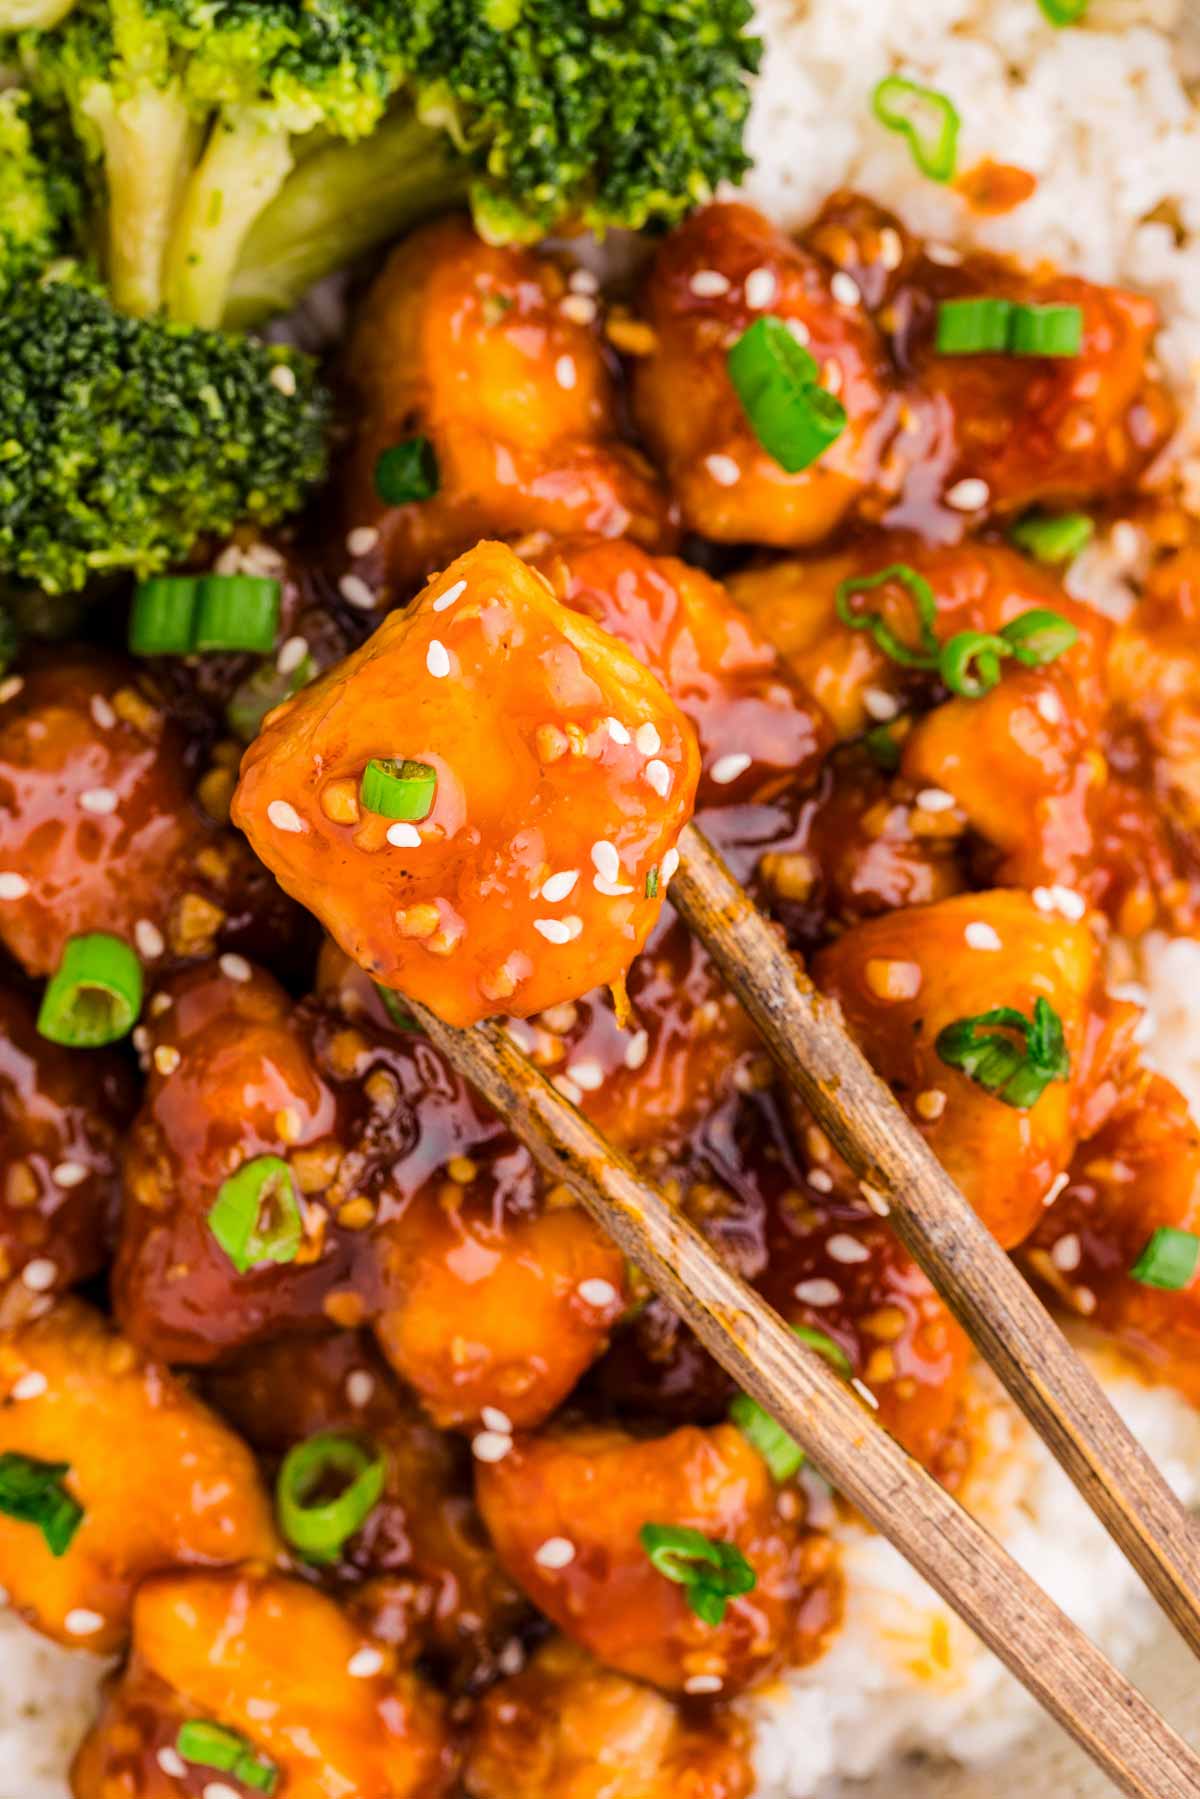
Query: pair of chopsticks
{"type": "Point", "coordinates": [797, 1386]}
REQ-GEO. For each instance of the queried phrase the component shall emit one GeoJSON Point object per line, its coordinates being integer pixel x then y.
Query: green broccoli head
{"type": "Point", "coordinates": [123, 441]}
{"type": "Point", "coordinates": [42, 199]}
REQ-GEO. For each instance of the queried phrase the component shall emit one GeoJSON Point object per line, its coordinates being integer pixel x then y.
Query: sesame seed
{"type": "Point", "coordinates": [598, 1293]}
{"type": "Point", "coordinates": [831, 376]}
{"type": "Point", "coordinates": [880, 705]}
{"type": "Point", "coordinates": [969, 495]}
{"type": "Point", "coordinates": [284, 816]}
{"type": "Point", "coordinates": [616, 730]}
{"type": "Point", "coordinates": [558, 886]}
{"type": "Point", "coordinates": [605, 859]}
{"type": "Point", "coordinates": [647, 740]}
{"type": "Point", "coordinates": [491, 1445]}
{"type": "Point", "coordinates": [82, 1623]}
{"type": "Point", "coordinates": [727, 768]}
{"type": "Point", "coordinates": [362, 540]}
{"type": "Point", "coordinates": [140, 1038]}
{"type": "Point", "coordinates": [449, 596]}
{"type": "Point", "coordinates": [100, 800]}
{"type": "Point", "coordinates": [1055, 1188]}
{"type": "Point", "coordinates": [360, 1388]}
{"type": "Point", "coordinates": [610, 889]}
{"type": "Point", "coordinates": [495, 1419]}
{"type": "Point", "coordinates": [167, 1058]}
{"type": "Point", "coordinates": [13, 886]}
{"type": "Point", "coordinates": [11, 688]}
{"type": "Point", "coordinates": [511, 1658]}
{"type": "Point", "coordinates": [403, 836]}
{"type": "Point", "coordinates": [554, 930]}
{"type": "Point", "coordinates": [891, 248]}
{"type": "Point", "coordinates": [1072, 905]}
{"type": "Point", "coordinates": [234, 968]}
{"type": "Point", "coordinates": [759, 289]}
{"type": "Point", "coordinates": [799, 330]}
{"type": "Point", "coordinates": [582, 281]}
{"type": "Point", "coordinates": [283, 378]}
{"type": "Point", "coordinates": [40, 1274]}
{"type": "Point", "coordinates": [555, 1552]}
{"type": "Point", "coordinates": [818, 1293]}
{"type": "Point", "coordinates": [982, 936]}
{"type": "Point", "coordinates": [945, 255]}
{"type": "Point", "coordinates": [587, 1073]}
{"type": "Point", "coordinates": [658, 776]}
{"type": "Point", "coordinates": [820, 1180]}
{"type": "Point", "coordinates": [875, 1199]}
{"type": "Point", "coordinates": [291, 655]}
{"type": "Point", "coordinates": [1085, 1299]}
{"type": "Point", "coordinates": [670, 864]}
{"type": "Point", "coordinates": [356, 592]}
{"type": "Point", "coordinates": [437, 659]}
{"type": "Point", "coordinates": [864, 1393]}
{"type": "Point", "coordinates": [574, 926]}
{"type": "Point", "coordinates": [30, 1386]}
{"type": "Point", "coordinates": [844, 1248]}
{"type": "Point", "coordinates": [102, 712]}
{"type": "Point", "coordinates": [1067, 1253]}
{"type": "Point", "coordinates": [935, 799]}
{"type": "Point", "coordinates": [930, 1103]}
{"type": "Point", "coordinates": [70, 1174]}
{"type": "Point", "coordinates": [149, 939]}
{"type": "Point", "coordinates": [579, 308]}
{"type": "Point", "coordinates": [171, 1762]}
{"type": "Point", "coordinates": [845, 289]}
{"type": "Point", "coordinates": [703, 1683]}
{"type": "Point", "coordinates": [637, 1049]}
{"type": "Point", "coordinates": [217, 1789]}
{"type": "Point", "coordinates": [1049, 707]}
{"type": "Point", "coordinates": [567, 1088]}
{"type": "Point", "coordinates": [709, 284]}
{"type": "Point", "coordinates": [364, 1663]}
{"type": "Point", "coordinates": [723, 469]}
{"type": "Point", "coordinates": [564, 372]}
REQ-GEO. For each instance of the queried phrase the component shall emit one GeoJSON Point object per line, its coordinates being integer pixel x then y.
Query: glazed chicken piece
{"type": "Point", "coordinates": [566, 1728]}
{"type": "Point", "coordinates": [556, 776]}
{"type": "Point", "coordinates": [1139, 1174]}
{"type": "Point", "coordinates": [565, 1510]}
{"type": "Point", "coordinates": [62, 1115]}
{"type": "Point", "coordinates": [98, 830]}
{"type": "Point", "coordinates": [241, 1100]}
{"type": "Point", "coordinates": [713, 278]}
{"type": "Point", "coordinates": [483, 353]}
{"type": "Point", "coordinates": [433, 1585]}
{"type": "Point", "coordinates": [251, 1665]}
{"type": "Point", "coordinates": [134, 1474]}
{"type": "Point", "coordinates": [903, 979]}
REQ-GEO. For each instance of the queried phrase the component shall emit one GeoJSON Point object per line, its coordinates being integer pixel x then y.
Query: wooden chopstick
{"type": "Point", "coordinates": [1054, 1660]}
{"type": "Point", "coordinates": [980, 1283]}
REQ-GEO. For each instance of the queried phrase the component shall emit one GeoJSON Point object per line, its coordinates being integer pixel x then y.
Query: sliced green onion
{"type": "Point", "coordinates": [969, 663]}
{"type": "Point", "coordinates": [327, 1488]}
{"type": "Point", "coordinates": [1017, 1073]}
{"type": "Point", "coordinates": [1063, 12]}
{"type": "Point", "coordinates": [395, 788]}
{"type": "Point", "coordinates": [213, 1746]}
{"type": "Point", "coordinates": [236, 612]}
{"type": "Point", "coordinates": [261, 692]}
{"type": "Point", "coordinates": [652, 882]}
{"type": "Point", "coordinates": [710, 1571]}
{"type": "Point", "coordinates": [926, 118]}
{"type": "Point", "coordinates": [1045, 331]}
{"type": "Point", "coordinates": [925, 655]}
{"type": "Point", "coordinates": [1168, 1260]}
{"type": "Point", "coordinates": [1039, 636]}
{"type": "Point", "coordinates": [782, 1454]}
{"type": "Point", "coordinates": [833, 1352]}
{"type": "Point", "coordinates": [396, 1010]}
{"type": "Point", "coordinates": [1052, 538]}
{"type": "Point", "coordinates": [777, 381]}
{"type": "Point", "coordinates": [160, 620]}
{"type": "Point", "coordinates": [407, 472]}
{"type": "Point", "coordinates": [95, 995]}
{"type": "Point", "coordinates": [33, 1493]}
{"type": "Point", "coordinates": [256, 1215]}
{"type": "Point", "coordinates": [882, 748]}
{"type": "Point", "coordinates": [977, 327]}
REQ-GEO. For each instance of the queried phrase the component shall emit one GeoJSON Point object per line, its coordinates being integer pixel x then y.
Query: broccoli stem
{"type": "Point", "coordinates": [342, 200]}
{"type": "Point", "coordinates": [246, 161]}
{"type": "Point", "coordinates": [149, 143]}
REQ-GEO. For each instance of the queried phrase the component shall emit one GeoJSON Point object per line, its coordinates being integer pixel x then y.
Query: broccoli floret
{"type": "Point", "coordinates": [42, 195]}
{"type": "Point", "coordinates": [123, 441]}
{"type": "Point", "coordinates": [251, 146]}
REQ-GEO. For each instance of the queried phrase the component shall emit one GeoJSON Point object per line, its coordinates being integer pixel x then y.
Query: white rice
{"type": "Point", "coordinates": [47, 1702]}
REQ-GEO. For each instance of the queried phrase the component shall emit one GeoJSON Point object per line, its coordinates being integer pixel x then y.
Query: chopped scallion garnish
{"type": "Point", "coordinates": [782, 1454]}
{"type": "Point", "coordinates": [256, 1215]}
{"type": "Point", "coordinates": [1052, 538]}
{"type": "Point", "coordinates": [1045, 331]}
{"type": "Point", "coordinates": [160, 620]}
{"type": "Point", "coordinates": [1168, 1260]}
{"type": "Point", "coordinates": [236, 612]}
{"type": "Point", "coordinates": [327, 1488]}
{"type": "Point", "coordinates": [1064, 12]}
{"type": "Point", "coordinates": [778, 383]}
{"type": "Point", "coordinates": [927, 118]}
{"type": "Point", "coordinates": [1014, 1058]}
{"type": "Point", "coordinates": [976, 327]}
{"type": "Point", "coordinates": [407, 472]}
{"type": "Point", "coordinates": [396, 1010]}
{"type": "Point", "coordinates": [882, 748]}
{"type": "Point", "coordinates": [925, 653]}
{"type": "Point", "coordinates": [652, 882]}
{"type": "Point", "coordinates": [213, 1746]}
{"type": "Point", "coordinates": [32, 1492]}
{"type": "Point", "coordinates": [95, 995]}
{"type": "Point", "coordinates": [396, 788]}
{"type": "Point", "coordinates": [261, 692]}
{"type": "Point", "coordinates": [711, 1572]}
{"type": "Point", "coordinates": [970, 662]}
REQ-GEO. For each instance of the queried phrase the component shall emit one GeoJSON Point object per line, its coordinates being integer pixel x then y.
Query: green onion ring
{"type": "Point", "coordinates": [256, 1215]}
{"type": "Point", "coordinates": [95, 994]}
{"type": "Point", "coordinates": [317, 1526]}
